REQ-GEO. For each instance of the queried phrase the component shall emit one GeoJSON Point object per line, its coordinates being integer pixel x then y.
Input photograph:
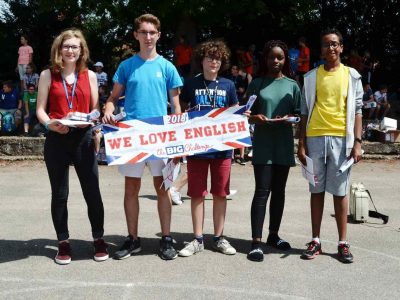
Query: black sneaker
{"type": "Point", "coordinates": [129, 247]}
{"type": "Point", "coordinates": [344, 254]}
{"type": "Point", "coordinates": [167, 251]}
{"type": "Point", "coordinates": [275, 241]}
{"type": "Point", "coordinates": [313, 249]}
{"type": "Point", "coordinates": [256, 253]}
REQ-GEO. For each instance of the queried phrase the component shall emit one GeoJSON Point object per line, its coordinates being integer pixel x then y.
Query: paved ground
{"type": "Point", "coordinates": [28, 246]}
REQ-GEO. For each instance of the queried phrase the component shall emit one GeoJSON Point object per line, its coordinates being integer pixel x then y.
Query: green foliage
{"type": "Point", "coordinates": [108, 25]}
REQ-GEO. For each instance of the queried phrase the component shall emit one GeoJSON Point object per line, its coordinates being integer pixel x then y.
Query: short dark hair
{"type": "Point", "coordinates": [263, 69]}
{"type": "Point", "coordinates": [382, 86]}
{"type": "Point", "coordinates": [8, 83]}
{"type": "Point", "coordinates": [332, 31]}
{"type": "Point", "coordinates": [30, 85]}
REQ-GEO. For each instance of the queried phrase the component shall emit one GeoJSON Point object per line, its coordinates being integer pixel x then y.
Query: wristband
{"type": "Point", "coordinates": [358, 140]}
{"type": "Point", "coordinates": [46, 124]}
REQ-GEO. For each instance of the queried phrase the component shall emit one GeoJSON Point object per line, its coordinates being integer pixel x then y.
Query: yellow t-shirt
{"type": "Point", "coordinates": [329, 113]}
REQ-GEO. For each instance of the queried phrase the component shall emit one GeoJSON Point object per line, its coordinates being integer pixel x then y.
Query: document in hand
{"type": "Point", "coordinates": [308, 171]}
{"type": "Point", "coordinates": [170, 173]}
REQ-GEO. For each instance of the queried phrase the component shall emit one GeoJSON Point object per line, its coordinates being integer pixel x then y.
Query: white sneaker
{"type": "Point", "coordinates": [175, 196]}
{"type": "Point", "coordinates": [191, 248]}
{"type": "Point", "coordinates": [223, 246]}
{"type": "Point", "coordinates": [231, 193]}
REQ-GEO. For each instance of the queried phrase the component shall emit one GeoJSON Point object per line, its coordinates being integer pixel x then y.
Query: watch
{"type": "Point", "coordinates": [358, 140]}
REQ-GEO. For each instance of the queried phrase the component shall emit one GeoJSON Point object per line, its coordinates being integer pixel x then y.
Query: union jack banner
{"type": "Point", "coordinates": [189, 133]}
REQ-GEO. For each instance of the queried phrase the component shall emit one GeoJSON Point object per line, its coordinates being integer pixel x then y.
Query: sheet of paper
{"type": "Point", "coordinates": [170, 173]}
{"type": "Point", "coordinates": [345, 165]}
{"type": "Point", "coordinates": [308, 171]}
{"type": "Point", "coordinates": [72, 123]}
{"type": "Point", "coordinates": [250, 102]}
{"type": "Point", "coordinates": [287, 119]}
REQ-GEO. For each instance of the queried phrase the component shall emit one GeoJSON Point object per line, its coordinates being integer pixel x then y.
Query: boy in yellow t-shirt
{"type": "Point", "coordinates": [330, 133]}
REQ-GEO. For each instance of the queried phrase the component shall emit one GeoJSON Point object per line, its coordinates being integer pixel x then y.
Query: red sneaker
{"type": "Point", "coordinates": [63, 256]}
{"type": "Point", "coordinates": [100, 250]}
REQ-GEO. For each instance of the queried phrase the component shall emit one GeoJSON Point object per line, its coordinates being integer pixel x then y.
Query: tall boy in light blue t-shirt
{"type": "Point", "coordinates": [147, 79]}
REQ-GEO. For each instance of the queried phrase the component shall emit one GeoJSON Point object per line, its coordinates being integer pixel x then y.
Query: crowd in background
{"type": "Point", "coordinates": [18, 98]}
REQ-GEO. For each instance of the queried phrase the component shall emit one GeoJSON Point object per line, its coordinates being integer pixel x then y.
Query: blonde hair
{"type": "Point", "coordinates": [56, 61]}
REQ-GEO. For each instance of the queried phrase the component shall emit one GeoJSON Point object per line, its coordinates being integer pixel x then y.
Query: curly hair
{"type": "Point", "coordinates": [214, 49]}
{"type": "Point", "coordinates": [56, 61]}
{"type": "Point", "coordinates": [286, 70]}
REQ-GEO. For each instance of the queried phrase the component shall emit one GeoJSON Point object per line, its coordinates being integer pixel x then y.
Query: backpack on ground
{"type": "Point", "coordinates": [7, 122]}
{"type": "Point", "coordinates": [359, 201]}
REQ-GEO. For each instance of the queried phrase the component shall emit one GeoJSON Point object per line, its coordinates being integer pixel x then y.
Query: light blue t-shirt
{"type": "Point", "coordinates": [146, 85]}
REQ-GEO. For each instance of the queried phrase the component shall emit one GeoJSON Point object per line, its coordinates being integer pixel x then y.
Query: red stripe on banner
{"type": "Point", "coordinates": [218, 112]}
{"type": "Point", "coordinates": [136, 158]}
{"type": "Point", "coordinates": [234, 145]}
{"type": "Point", "coordinates": [123, 125]}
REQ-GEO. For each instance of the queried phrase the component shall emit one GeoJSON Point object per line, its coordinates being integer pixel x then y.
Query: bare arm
{"type": "Point", "coordinates": [110, 103]}
{"type": "Point", "coordinates": [302, 147]}
{"type": "Point", "coordinates": [175, 105]}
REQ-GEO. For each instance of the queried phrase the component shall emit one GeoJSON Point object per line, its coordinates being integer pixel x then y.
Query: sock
{"type": "Point", "coordinates": [200, 239]}
{"type": "Point", "coordinates": [216, 238]}
{"type": "Point", "coordinates": [342, 242]}
{"type": "Point", "coordinates": [317, 240]}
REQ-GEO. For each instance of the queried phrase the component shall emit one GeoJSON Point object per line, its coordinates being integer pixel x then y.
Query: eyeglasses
{"type": "Point", "coordinates": [212, 59]}
{"type": "Point", "coordinates": [332, 45]}
{"type": "Point", "coordinates": [74, 48]}
{"type": "Point", "coordinates": [152, 33]}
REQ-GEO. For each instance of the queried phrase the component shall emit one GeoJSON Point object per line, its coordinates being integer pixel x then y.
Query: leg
{"type": "Point", "coordinates": [86, 167]}
{"type": "Point", "coordinates": [262, 175]}
{"type": "Point", "coordinates": [197, 207]}
{"type": "Point", "coordinates": [220, 180]}
{"type": "Point", "coordinates": [219, 212]}
{"type": "Point", "coordinates": [341, 208]}
{"type": "Point", "coordinates": [317, 209]}
{"type": "Point", "coordinates": [57, 162]}
{"type": "Point", "coordinates": [164, 205]}
{"type": "Point", "coordinates": [131, 204]}
{"type": "Point", "coordinates": [197, 170]}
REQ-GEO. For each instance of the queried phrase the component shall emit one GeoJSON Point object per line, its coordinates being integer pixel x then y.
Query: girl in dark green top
{"type": "Point", "coordinates": [273, 155]}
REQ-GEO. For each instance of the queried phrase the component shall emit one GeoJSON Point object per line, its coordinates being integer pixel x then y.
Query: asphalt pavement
{"type": "Point", "coordinates": [28, 244]}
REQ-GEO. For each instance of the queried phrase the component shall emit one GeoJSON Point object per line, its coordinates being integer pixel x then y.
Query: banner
{"type": "Point", "coordinates": [176, 135]}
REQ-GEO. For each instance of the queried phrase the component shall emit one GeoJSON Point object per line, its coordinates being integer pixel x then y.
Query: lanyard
{"type": "Point", "coordinates": [66, 90]}
{"type": "Point", "coordinates": [212, 101]}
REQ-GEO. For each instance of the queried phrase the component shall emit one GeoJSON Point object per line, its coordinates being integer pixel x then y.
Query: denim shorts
{"type": "Point", "coordinates": [328, 154]}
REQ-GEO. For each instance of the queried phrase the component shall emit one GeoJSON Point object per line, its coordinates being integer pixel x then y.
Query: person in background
{"type": "Point", "coordinates": [30, 77]}
{"type": "Point", "coordinates": [10, 102]}
{"type": "Point", "coordinates": [277, 96]}
{"type": "Point", "coordinates": [68, 86]}
{"type": "Point", "coordinates": [369, 103]}
{"type": "Point", "coordinates": [102, 78]}
{"type": "Point", "coordinates": [303, 61]}
{"type": "Point", "coordinates": [30, 99]}
{"type": "Point", "coordinates": [25, 54]}
{"type": "Point", "coordinates": [381, 100]}
{"type": "Point", "coordinates": [183, 54]}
